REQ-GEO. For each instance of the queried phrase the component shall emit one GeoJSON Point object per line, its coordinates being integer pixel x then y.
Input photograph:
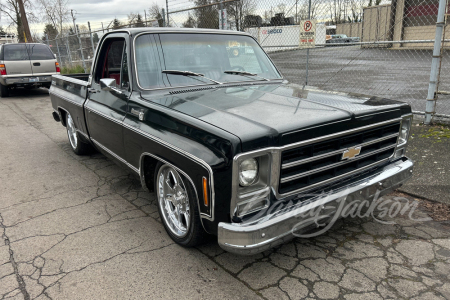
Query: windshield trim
{"type": "Point", "coordinates": [250, 82]}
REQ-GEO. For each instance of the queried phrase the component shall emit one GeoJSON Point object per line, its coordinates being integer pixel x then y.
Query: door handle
{"type": "Point", "coordinates": [92, 90]}
{"type": "Point", "coordinates": [36, 64]}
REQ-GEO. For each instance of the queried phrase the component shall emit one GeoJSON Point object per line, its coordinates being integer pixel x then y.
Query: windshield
{"type": "Point", "coordinates": [208, 54]}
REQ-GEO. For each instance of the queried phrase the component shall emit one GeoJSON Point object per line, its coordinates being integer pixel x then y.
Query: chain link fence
{"type": "Point", "coordinates": [373, 47]}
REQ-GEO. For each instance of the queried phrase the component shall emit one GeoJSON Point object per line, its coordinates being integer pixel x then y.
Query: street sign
{"type": "Point", "coordinates": [223, 22]}
{"type": "Point", "coordinates": [307, 34]}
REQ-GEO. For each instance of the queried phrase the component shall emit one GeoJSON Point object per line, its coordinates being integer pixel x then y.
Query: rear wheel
{"type": "Point", "coordinates": [79, 147]}
{"type": "Point", "coordinates": [4, 91]}
{"type": "Point", "coordinates": [178, 207]}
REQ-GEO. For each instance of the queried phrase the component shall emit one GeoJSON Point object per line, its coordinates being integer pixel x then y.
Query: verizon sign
{"type": "Point", "coordinates": [307, 34]}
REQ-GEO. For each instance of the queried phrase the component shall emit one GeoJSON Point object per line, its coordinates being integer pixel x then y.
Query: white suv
{"type": "Point", "coordinates": [26, 65]}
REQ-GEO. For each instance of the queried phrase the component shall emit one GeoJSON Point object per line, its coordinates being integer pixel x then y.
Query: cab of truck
{"type": "Point", "coordinates": [26, 65]}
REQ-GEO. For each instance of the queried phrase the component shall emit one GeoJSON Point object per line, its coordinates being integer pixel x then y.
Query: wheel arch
{"type": "Point", "coordinates": [147, 165]}
{"type": "Point", "coordinates": [63, 113]}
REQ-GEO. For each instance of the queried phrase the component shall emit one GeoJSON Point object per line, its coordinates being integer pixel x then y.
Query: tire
{"type": "Point", "coordinates": [78, 147]}
{"type": "Point", "coordinates": [183, 230]}
{"type": "Point", "coordinates": [4, 91]}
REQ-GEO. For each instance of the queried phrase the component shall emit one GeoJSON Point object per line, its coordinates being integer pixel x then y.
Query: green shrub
{"type": "Point", "coordinates": [72, 69]}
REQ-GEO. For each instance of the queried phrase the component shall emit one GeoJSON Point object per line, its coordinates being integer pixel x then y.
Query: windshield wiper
{"type": "Point", "coordinates": [188, 73]}
{"type": "Point", "coordinates": [245, 74]}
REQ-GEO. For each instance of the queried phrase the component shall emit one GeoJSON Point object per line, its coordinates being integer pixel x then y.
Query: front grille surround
{"type": "Point", "coordinates": [276, 169]}
{"type": "Point", "coordinates": [321, 161]}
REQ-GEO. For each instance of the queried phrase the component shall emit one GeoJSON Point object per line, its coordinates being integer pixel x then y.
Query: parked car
{"type": "Point", "coordinates": [228, 145]}
{"type": "Point", "coordinates": [26, 65]}
{"type": "Point", "coordinates": [341, 38]}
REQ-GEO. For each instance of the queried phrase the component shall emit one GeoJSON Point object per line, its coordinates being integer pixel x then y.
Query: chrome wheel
{"type": "Point", "coordinates": [71, 132]}
{"type": "Point", "coordinates": [173, 201]}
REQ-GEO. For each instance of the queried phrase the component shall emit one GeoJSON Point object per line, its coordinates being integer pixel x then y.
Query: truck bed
{"type": "Point", "coordinates": [68, 94]}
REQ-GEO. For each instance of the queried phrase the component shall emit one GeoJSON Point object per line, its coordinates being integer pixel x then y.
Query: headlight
{"type": "Point", "coordinates": [404, 132]}
{"type": "Point", "coordinates": [248, 172]}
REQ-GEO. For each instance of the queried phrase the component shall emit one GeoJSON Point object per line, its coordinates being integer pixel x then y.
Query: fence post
{"type": "Point", "coordinates": [164, 17]}
{"type": "Point", "coordinates": [92, 40]}
{"type": "Point", "coordinates": [307, 50]}
{"type": "Point", "coordinates": [57, 47]}
{"type": "Point", "coordinates": [79, 40]}
{"type": "Point", "coordinates": [432, 93]}
{"type": "Point", "coordinates": [167, 8]}
{"type": "Point", "coordinates": [68, 50]}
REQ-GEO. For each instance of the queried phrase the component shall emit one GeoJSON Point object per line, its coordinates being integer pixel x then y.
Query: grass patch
{"type": "Point", "coordinates": [72, 69]}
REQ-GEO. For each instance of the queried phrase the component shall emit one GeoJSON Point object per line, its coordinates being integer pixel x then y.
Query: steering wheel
{"type": "Point", "coordinates": [239, 68]}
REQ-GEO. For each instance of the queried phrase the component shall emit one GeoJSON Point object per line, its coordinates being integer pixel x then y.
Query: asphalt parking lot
{"type": "Point", "coordinates": [395, 74]}
{"type": "Point", "coordinates": [82, 228]}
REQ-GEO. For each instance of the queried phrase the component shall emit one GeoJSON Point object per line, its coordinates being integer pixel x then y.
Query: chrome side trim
{"type": "Point", "coordinates": [340, 151]}
{"type": "Point", "coordinates": [142, 176]}
{"type": "Point", "coordinates": [115, 156]}
{"type": "Point", "coordinates": [70, 79]}
{"type": "Point", "coordinates": [187, 155]}
{"type": "Point", "coordinates": [65, 98]}
{"type": "Point", "coordinates": [120, 122]}
{"type": "Point", "coordinates": [304, 174]}
{"type": "Point", "coordinates": [83, 134]}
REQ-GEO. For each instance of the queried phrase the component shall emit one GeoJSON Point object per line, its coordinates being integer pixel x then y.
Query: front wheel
{"type": "Point", "coordinates": [178, 207]}
{"type": "Point", "coordinates": [4, 91]}
{"type": "Point", "coordinates": [79, 147]}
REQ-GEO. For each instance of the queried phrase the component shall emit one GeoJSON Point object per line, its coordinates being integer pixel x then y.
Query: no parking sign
{"type": "Point", "coordinates": [307, 34]}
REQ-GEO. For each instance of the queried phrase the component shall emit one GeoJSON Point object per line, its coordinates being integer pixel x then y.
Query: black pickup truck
{"type": "Point", "coordinates": [227, 144]}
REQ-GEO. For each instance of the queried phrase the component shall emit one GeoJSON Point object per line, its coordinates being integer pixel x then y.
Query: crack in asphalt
{"type": "Point", "coordinates": [19, 278]}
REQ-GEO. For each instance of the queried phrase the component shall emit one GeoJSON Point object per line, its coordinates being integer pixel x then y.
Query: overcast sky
{"type": "Point", "coordinates": [97, 11]}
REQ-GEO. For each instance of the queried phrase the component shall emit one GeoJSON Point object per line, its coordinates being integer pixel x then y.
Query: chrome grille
{"type": "Point", "coordinates": [320, 162]}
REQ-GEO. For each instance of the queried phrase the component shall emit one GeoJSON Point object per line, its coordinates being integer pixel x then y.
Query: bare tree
{"type": "Point", "coordinates": [55, 12]}
{"type": "Point", "coordinates": [238, 10]}
{"type": "Point", "coordinates": [156, 13]}
{"type": "Point", "coordinates": [10, 8]}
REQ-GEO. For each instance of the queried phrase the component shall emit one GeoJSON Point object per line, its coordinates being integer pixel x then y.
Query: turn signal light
{"type": "Point", "coordinates": [205, 192]}
{"type": "Point", "coordinates": [2, 69]}
{"type": "Point", "coordinates": [57, 67]}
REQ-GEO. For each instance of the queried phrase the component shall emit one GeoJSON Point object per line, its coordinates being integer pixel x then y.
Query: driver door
{"type": "Point", "coordinates": [108, 96]}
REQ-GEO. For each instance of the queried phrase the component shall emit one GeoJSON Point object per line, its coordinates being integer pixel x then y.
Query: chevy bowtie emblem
{"type": "Point", "coordinates": [351, 153]}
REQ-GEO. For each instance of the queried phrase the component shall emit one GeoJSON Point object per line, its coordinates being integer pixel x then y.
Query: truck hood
{"type": "Point", "coordinates": [279, 114]}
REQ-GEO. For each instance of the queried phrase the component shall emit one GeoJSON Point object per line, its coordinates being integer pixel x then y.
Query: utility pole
{"type": "Point", "coordinates": [145, 17]}
{"type": "Point", "coordinates": [103, 29]}
{"type": "Point", "coordinates": [79, 40]}
{"type": "Point", "coordinates": [24, 20]}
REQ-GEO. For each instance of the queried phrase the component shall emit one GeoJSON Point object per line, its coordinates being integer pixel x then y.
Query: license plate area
{"type": "Point", "coordinates": [34, 79]}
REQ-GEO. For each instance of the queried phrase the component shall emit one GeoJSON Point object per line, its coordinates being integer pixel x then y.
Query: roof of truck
{"type": "Point", "coordinates": [135, 31]}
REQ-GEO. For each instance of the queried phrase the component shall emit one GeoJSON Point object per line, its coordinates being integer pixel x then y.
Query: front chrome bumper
{"type": "Point", "coordinates": [274, 229]}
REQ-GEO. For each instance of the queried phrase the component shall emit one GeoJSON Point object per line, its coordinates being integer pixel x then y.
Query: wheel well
{"type": "Point", "coordinates": [62, 113]}
{"type": "Point", "coordinates": [148, 165]}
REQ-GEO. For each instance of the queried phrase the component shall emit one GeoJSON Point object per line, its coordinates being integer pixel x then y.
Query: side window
{"type": "Point", "coordinates": [113, 63]}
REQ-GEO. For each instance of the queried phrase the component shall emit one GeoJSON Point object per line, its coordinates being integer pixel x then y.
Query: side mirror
{"type": "Point", "coordinates": [107, 83]}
